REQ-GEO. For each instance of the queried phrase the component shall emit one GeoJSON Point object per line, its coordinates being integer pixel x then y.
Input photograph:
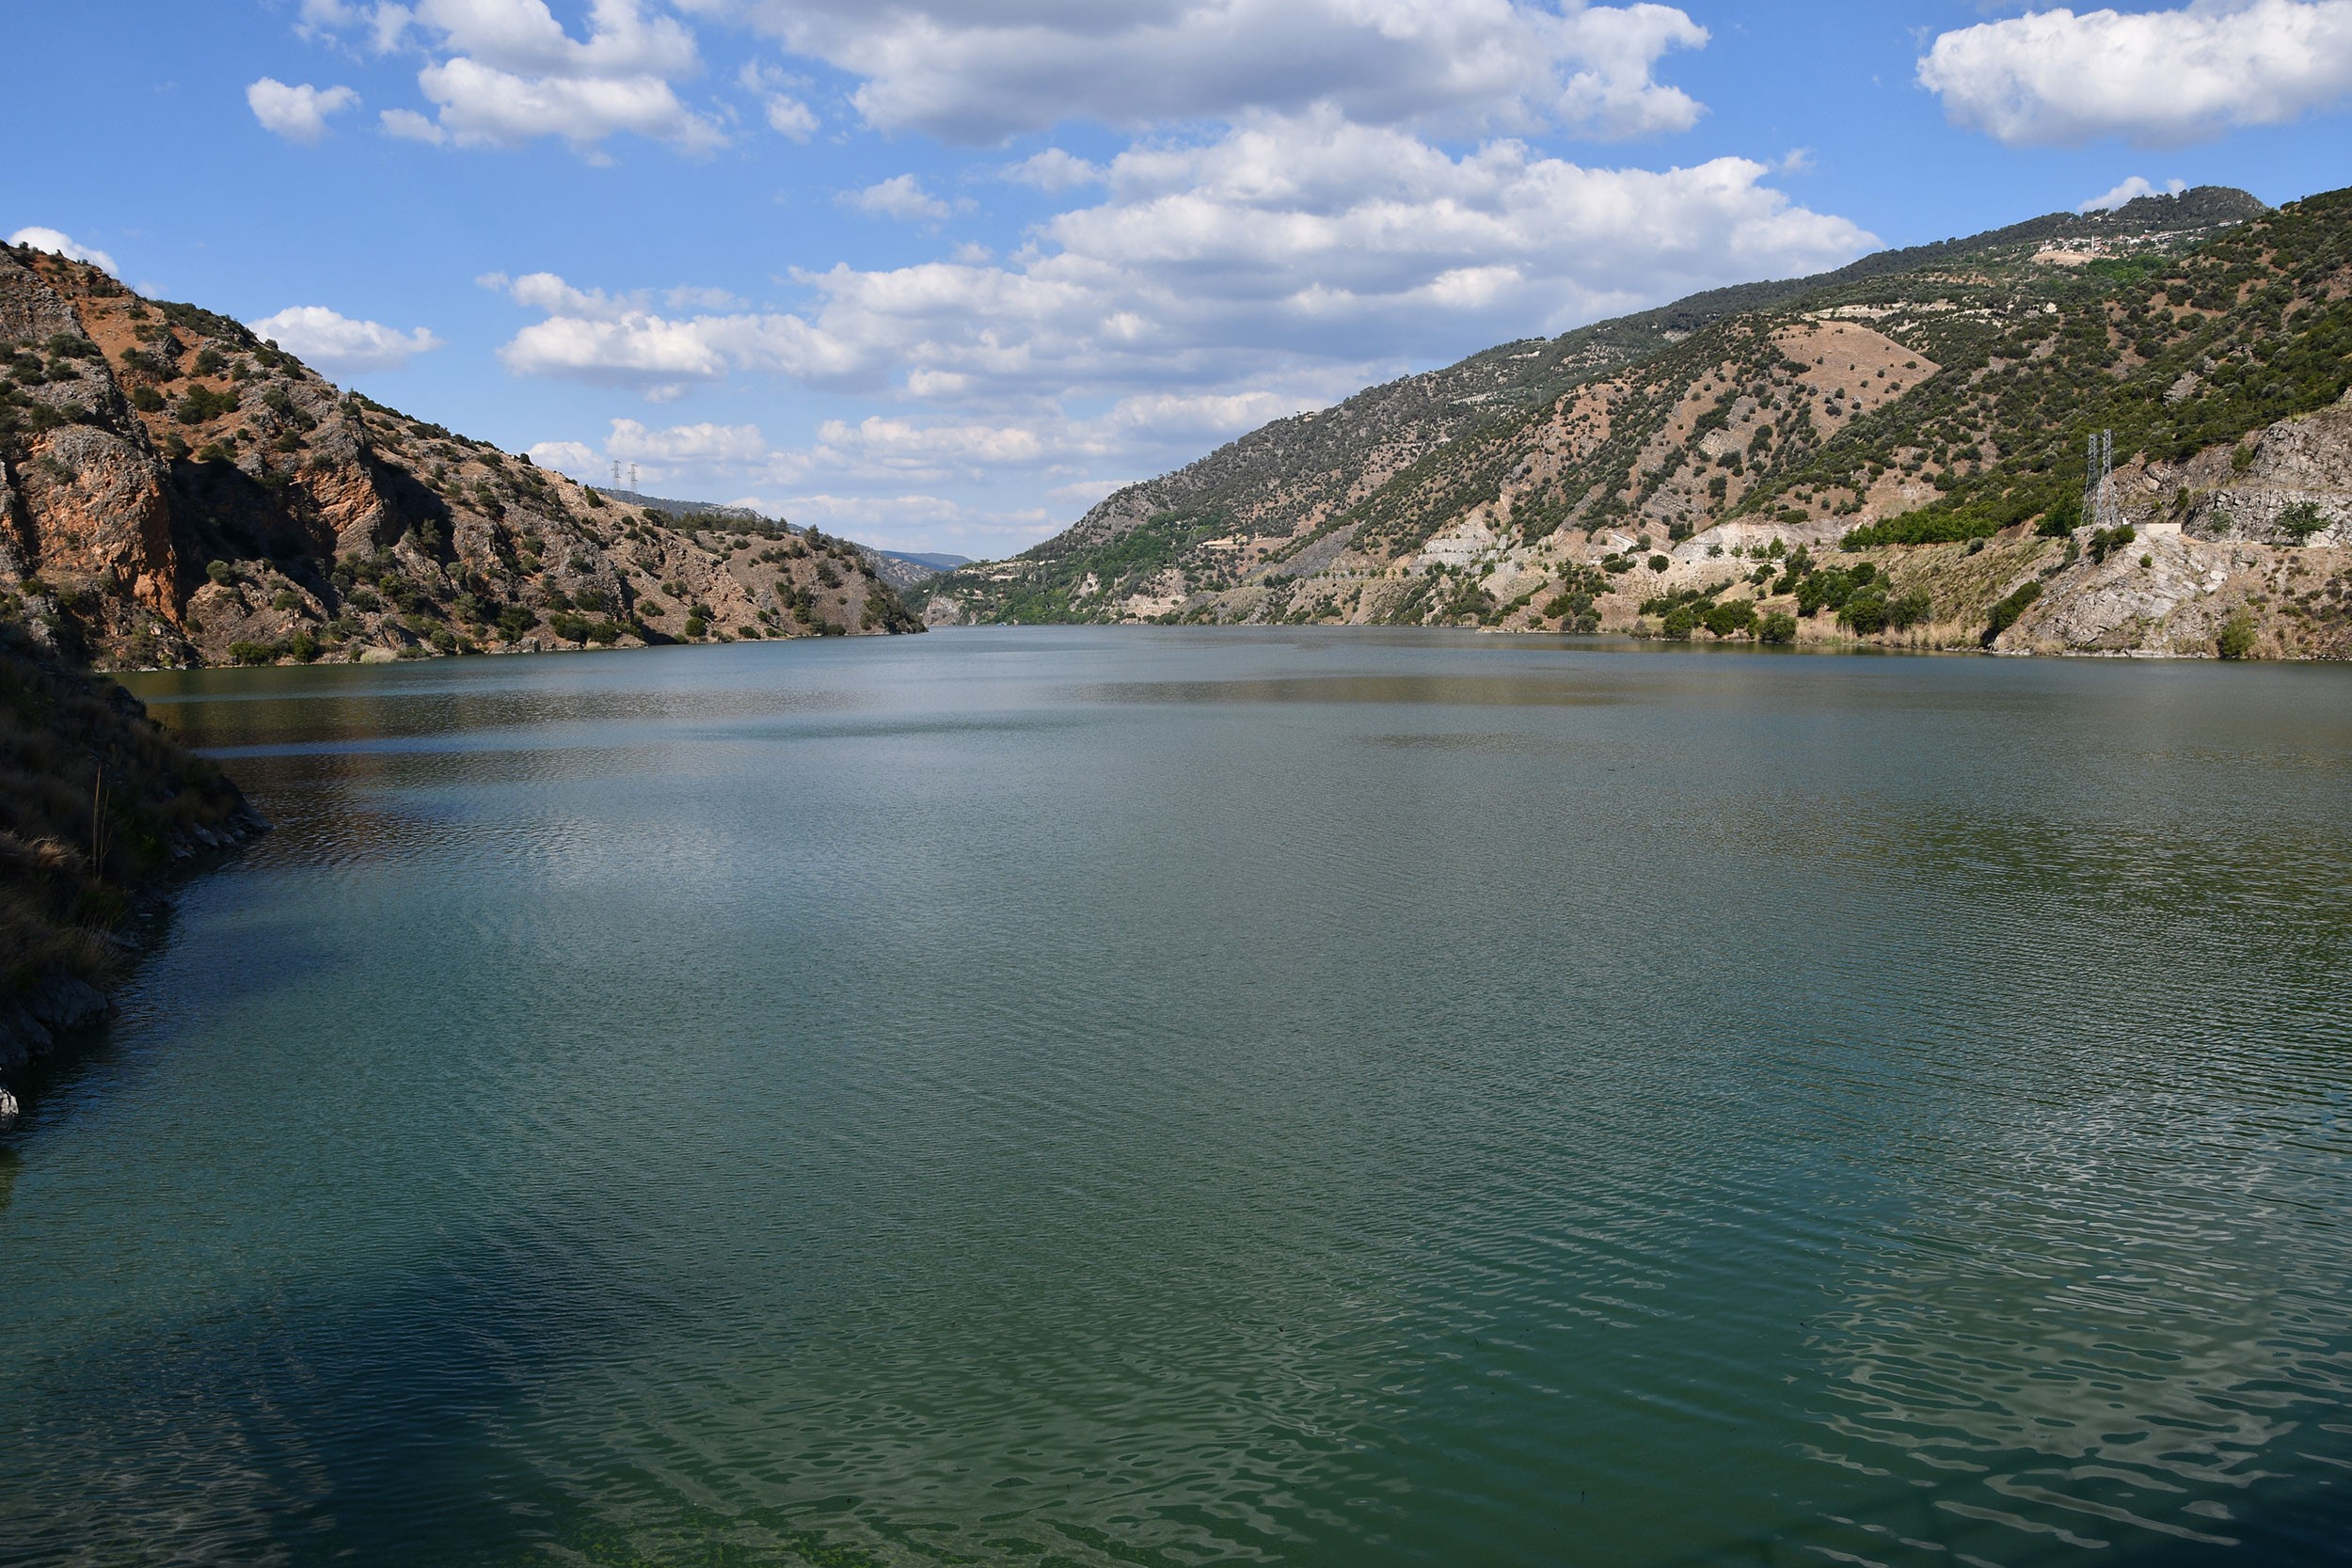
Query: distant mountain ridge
{"type": "Point", "coordinates": [1938, 394]}
{"type": "Point", "coordinates": [900, 569]}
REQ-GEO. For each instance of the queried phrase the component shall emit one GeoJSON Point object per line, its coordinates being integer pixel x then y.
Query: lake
{"type": "Point", "coordinates": [1157, 1097]}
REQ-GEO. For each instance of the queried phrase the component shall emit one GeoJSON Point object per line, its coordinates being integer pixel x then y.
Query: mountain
{"type": "Point", "coordinates": [1911, 428]}
{"type": "Point", "coordinates": [174, 490]}
{"type": "Point", "coordinates": [897, 568]}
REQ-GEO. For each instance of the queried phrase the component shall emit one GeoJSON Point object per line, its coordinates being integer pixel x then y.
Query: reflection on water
{"type": "Point", "coordinates": [1170, 1098]}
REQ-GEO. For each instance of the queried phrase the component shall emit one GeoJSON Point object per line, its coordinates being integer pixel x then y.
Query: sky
{"type": "Point", "coordinates": [940, 275]}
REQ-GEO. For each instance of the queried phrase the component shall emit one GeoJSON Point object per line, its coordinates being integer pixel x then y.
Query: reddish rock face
{"type": "Point", "coordinates": [99, 507]}
{"type": "Point", "coordinates": [174, 490]}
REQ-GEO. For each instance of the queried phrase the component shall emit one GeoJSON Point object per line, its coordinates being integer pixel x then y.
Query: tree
{"type": "Point", "coordinates": [2300, 521]}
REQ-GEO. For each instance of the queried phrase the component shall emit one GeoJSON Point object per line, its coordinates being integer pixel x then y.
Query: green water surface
{"type": "Point", "coordinates": [1088, 1097]}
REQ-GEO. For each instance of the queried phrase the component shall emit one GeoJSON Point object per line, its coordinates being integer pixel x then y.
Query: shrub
{"type": "Point", "coordinates": [2108, 540]}
{"type": "Point", "coordinates": [253, 653]}
{"type": "Point", "coordinates": [1777, 628]}
{"type": "Point", "coordinates": [1865, 613]}
{"type": "Point", "coordinates": [514, 620]}
{"type": "Point", "coordinates": [2063, 517]}
{"type": "Point", "coordinates": [2005, 614]}
{"type": "Point", "coordinates": [147, 400]}
{"type": "Point", "coordinates": [1659, 562]}
{"type": "Point", "coordinates": [1912, 609]}
{"type": "Point", "coordinates": [2237, 636]}
{"type": "Point", "coordinates": [1678, 623]}
{"type": "Point", "coordinates": [202, 404]}
{"type": "Point", "coordinates": [1729, 619]}
{"type": "Point", "coordinates": [220, 572]}
{"type": "Point", "coordinates": [696, 625]}
{"type": "Point", "coordinates": [2300, 521]}
{"type": "Point", "coordinates": [303, 646]}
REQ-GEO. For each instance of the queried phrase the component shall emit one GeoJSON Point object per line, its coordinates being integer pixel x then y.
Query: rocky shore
{"type": "Point", "coordinates": [100, 813]}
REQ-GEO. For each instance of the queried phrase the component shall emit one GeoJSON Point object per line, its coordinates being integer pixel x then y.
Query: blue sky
{"type": "Point", "coordinates": [939, 274]}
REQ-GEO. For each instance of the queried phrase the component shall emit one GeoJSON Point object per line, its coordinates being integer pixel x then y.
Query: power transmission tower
{"type": "Point", "coordinates": [632, 478]}
{"type": "Point", "coordinates": [2099, 504]}
{"type": "Point", "coordinates": [616, 473]}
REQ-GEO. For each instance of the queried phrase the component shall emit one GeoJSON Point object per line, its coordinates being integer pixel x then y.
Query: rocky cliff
{"type": "Point", "coordinates": [174, 490]}
{"type": "Point", "coordinates": [1892, 452]}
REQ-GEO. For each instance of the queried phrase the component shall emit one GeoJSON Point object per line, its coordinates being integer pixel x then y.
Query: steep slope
{"type": "Point", "coordinates": [96, 805]}
{"type": "Point", "coordinates": [1909, 406]}
{"type": "Point", "coordinates": [174, 490]}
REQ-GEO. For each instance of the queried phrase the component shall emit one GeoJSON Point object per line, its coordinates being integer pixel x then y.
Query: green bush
{"type": "Point", "coordinates": [1915, 608]}
{"type": "Point", "coordinates": [1731, 618]}
{"type": "Point", "coordinates": [2300, 521]}
{"type": "Point", "coordinates": [2005, 614]}
{"type": "Point", "coordinates": [2063, 517]}
{"type": "Point", "coordinates": [1777, 628]}
{"type": "Point", "coordinates": [1865, 613]}
{"type": "Point", "coordinates": [147, 400]}
{"type": "Point", "coordinates": [254, 653]}
{"type": "Point", "coordinates": [202, 404]}
{"type": "Point", "coordinates": [1678, 623]}
{"type": "Point", "coordinates": [514, 621]}
{"type": "Point", "coordinates": [2108, 540]}
{"type": "Point", "coordinates": [220, 572]}
{"type": "Point", "coordinates": [2237, 636]}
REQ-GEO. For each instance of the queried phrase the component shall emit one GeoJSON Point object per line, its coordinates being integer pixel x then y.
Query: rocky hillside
{"type": "Point", "coordinates": [174, 490]}
{"type": "Point", "coordinates": [1894, 452]}
{"type": "Point", "coordinates": [97, 804]}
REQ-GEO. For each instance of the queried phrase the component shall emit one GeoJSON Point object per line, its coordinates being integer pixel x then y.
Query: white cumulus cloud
{"type": "Point", "coordinates": [698, 446]}
{"type": "Point", "coordinates": [1055, 170]}
{"type": "Point", "coordinates": [297, 113]}
{"type": "Point", "coordinates": [789, 118]}
{"type": "Point", "coordinates": [411, 126]}
{"type": "Point", "coordinates": [1281, 245]}
{"type": "Point", "coordinates": [2154, 78]}
{"type": "Point", "coordinates": [66, 245]}
{"type": "Point", "coordinates": [979, 70]}
{"type": "Point", "coordinates": [2131, 190]}
{"type": "Point", "coordinates": [501, 72]}
{"type": "Point", "coordinates": [335, 342]}
{"type": "Point", "coordinates": [901, 196]}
